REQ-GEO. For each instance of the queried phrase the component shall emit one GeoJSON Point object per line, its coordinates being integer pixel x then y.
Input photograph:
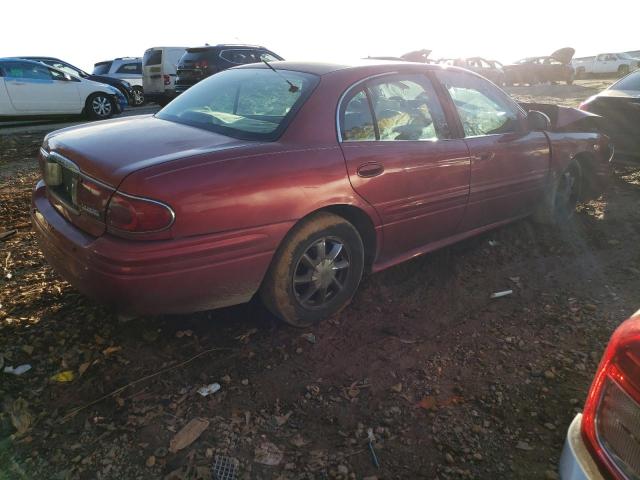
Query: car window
{"type": "Point", "coordinates": [405, 107]}
{"type": "Point", "coordinates": [268, 57]}
{"type": "Point", "coordinates": [102, 68]}
{"type": "Point", "coordinates": [483, 108]}
{"type": "Point", "coordinates": [357, 121]}
{"type": "Point", "coordinates": [64, 68]}
{"type": "Point", "coordinates": [152, 57]}
{"type": "Point", "coordinates": [133, 68]}
{"type": "Point", "coordinates": [27, 70]}
{"type": "Point", "coordinates": [243, 56]}
{"type": "Point", "coordinates": [251, 103]}
{"type": "Point", "coordinates": [56, 75]}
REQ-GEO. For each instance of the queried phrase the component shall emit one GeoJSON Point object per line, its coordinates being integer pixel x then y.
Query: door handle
{"type": "Point", "coordinates": [18, 83]}
{"type": "Point", "coordinates": [484, 156]}
{"type": "Point", "coordinates": [368, 170]}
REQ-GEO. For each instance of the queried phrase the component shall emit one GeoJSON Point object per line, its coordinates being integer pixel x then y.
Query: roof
{"type": "Point", "coordinates": [232, 45]}
{"type": "Point", "coordinates": [319, 68]}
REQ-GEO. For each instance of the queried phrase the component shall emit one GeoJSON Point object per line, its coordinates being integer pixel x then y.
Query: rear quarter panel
{"type": "Point", "coordinates": [6, 108]}
{"type": "Point", "coordinates": [263, 186]}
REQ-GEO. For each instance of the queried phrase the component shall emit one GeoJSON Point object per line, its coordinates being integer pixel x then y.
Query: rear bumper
{"type": "Point", "coordinates": [576, 463]}
{"type": "Point", "coordinates": [153, 277]}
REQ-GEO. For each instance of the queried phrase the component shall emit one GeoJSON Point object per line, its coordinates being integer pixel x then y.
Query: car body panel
{"type": "Point", "coordinates": [158, 79]}
{"type": "Point", "coordinates": [552, 68]}
{"type": "Point", "coordinates": [247, 195]}
{"type": "Point", "coordinates": [576, 463]}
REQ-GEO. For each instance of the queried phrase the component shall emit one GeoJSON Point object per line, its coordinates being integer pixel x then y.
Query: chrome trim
{"type": "Point", "coordinates": [344, 94]}
{"type": "Point", "coordinates": [65, 162]}
{"type": "Point", "coordinates": [44, 153]}
{"type": "Point", "coordinates": [144, 199]}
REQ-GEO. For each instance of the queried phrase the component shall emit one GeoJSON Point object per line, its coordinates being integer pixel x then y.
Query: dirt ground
{"type": "Point", "coordinates": [452, 383]}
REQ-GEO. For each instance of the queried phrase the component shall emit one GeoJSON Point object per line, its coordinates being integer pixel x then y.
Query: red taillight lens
{"type": "Point", "coordinates": [91, 197]}
{"type": "Point", "coordinates": [167, 79]}
{"type": "Point", "coordinates": [611, 418]}
{"type": "Point", "coordinates": [138, 215]}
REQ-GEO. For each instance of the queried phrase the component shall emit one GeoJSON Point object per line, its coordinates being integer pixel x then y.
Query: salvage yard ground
{"type": "Point", "coordinates": [453, 383]}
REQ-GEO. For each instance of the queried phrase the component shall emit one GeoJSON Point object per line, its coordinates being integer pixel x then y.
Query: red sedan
{"type": "Point", "coordinates": [292, 179]}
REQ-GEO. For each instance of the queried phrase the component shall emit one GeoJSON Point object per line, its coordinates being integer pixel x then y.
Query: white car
{"type": "Point", "coordinates": [159, 66]}
{"type": "Point", "coordinates": [124, 68]}
{"type": "Point", "coordinates": [605, 64]}
{"type": "Point", "coordinates": [29, 88]}
{"type": "Point", "coordinates": [603, 442]}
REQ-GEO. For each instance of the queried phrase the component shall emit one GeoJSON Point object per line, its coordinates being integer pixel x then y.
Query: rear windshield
{"type": "Point", "coordinates": [152, 57]}
{"type": "Point", "coordinates": [193, 55]}
{"type": "Point", "coordinates": [630, 82]}
{"type": "Point", "coordinates": [101, 68]}
{"type": "Point", "coordinates": [250, 104]}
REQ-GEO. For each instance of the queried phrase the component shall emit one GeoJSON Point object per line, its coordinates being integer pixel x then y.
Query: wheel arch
{"type": "Point", "coordinates": [588, 164]}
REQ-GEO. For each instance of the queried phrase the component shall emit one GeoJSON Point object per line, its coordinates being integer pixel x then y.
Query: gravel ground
{"type": "Point", "coordinates": [451, 383]}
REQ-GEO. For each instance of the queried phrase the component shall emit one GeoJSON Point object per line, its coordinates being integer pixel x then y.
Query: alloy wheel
{"type": "Point", "coordinates": [321, 272]}
{"type": "Point", "coordinates": [101, 106]}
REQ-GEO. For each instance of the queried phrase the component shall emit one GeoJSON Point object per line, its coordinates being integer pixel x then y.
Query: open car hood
{"type": "Point", "coordinates": [564, 55]}
{"type": "Point", "coordinates": [420, 56]}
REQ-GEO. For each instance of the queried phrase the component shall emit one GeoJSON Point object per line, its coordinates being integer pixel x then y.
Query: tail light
{"type": "Point", "coordinates": [130, 214]}
{"type": "Point", "coordinates": [167, 79]}
{"type": "Point", "coordinates": [611, 417]}
{"type": "Point", "coordinates": [202, 64]}
{"type": "Point", "coordinates": [91, 197]}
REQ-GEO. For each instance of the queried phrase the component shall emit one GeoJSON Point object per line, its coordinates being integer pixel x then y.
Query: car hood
{"type": "Point", "coordinates": [105, 79]}
{"type": "Point", "coordinates": [110, 150]}
{"type": "Point", "coordinates": [564, 55]}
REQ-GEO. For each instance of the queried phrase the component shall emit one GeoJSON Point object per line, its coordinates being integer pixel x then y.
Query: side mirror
{"type": "Point", "coordinates": [538, 121]}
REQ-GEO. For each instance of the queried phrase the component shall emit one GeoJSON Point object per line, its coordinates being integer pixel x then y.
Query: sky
{"type": "Point", "coordinates": [86, 32]}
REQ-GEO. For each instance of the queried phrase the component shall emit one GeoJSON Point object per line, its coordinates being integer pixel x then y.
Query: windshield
{"type": "Point", "coordinates": [251, 103]}
{"type": "Point", "coordinates": [65, 67]}
{"type": "Point", "coordinates": [630, 82]}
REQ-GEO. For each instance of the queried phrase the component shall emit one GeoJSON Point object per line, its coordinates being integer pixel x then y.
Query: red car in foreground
{"type": "Point", "coordinates": [604, 440]}
{"type": "Point", "coordinates": [292, 179]}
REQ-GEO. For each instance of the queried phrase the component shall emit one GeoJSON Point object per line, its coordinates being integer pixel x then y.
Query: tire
{"type": "Point", "coordinates": [561, 199]}
{"type": "Point", "coordinates": [138, 96]}
{"type": "Point", "coordinates": [99, 106]}
{"type": "Point", "coordinates": [623, 70]}
{"type": "Point", "coordinates": [580, 73]}
{"type": "Point", "coordinates": [315, 272]}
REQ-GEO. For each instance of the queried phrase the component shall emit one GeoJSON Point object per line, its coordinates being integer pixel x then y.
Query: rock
{"type": "Point", "coordinates": [449, 458]}
{"type": "Point", "coordinates": [226, 379]}
{"type": "Point", "coordinates": [268, 454]}
{"type": "Point", "coordinates": [549, 375]}
{"type": "Point", "coordinates": [151, 461]}
{"type": "Point", "coordinates": [524, 446]}
{"type": "Point", "coordinates": [551, 475]}
{"type": "Point", "coordinates": [160, 452]}
{"type": "Point", "coordinates": [396, 388]}
{"type": "Point", "coordinates": [549, 426]}
{"type": "Point", "coordinates": [343, 470]}
{"type": "Point", "coordinates": [477, 456]}
{"type": "Point", "coordinates": [245, 381]}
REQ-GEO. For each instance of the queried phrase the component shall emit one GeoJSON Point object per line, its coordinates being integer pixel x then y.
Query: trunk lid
{"type": "Point", "coordinates": [564, 55]}
{"type": "Point", "coordinates": [109, 151]}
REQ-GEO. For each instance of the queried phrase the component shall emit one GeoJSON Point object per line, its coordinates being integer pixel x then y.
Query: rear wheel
{"type": "Point", "coordinates": [623, 70]}
{"type": "Point", "coordinates": [315, 272]}
{"type": "Point", "coordinates": [560, 201]}
{"type": "Point", "coordinates": [138, 96]}
{"type": "Point", "coordinates": [99, 106]}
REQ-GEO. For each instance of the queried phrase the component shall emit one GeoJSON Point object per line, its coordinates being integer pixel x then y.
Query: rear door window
{"type": "Point", "coordinates": [133, 68]}
{"type": "Point", "coordinates": [27, 70]}
{"type": "Point", "coordinates": [357, 120]}
{"type": "Point", "coordinates": [152, 57]}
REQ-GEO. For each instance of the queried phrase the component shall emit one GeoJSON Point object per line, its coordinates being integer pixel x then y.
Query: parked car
{"type": "Point", "coordinates": [122, 85]}
{"type": "Point", "coordinates": [619, 64]}
{"type": "Point", "coordinates": [532, 70]}
{"type": "Point", "coordinates": [602, 441]}
{"type": "Point", "coordinates": [619, 106]}
{"type": "Point", "coordinates": [30, 88]}
{"type": "Point", "coordinates": [487, 68]}
{"type": "Point", "coordinates": [159, 73]}
{"type": "Point", "coordinates": [201, 62]}
{"type": "Point", "coordinates": [291, 179]}
{"type": "Point", "coordinates": [633, 53]}
{"type": "Point", "coordinates": [124, 68]}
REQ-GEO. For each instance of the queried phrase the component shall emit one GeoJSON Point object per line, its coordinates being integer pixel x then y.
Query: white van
{"type": "Point", "coordinates": [159, 73]}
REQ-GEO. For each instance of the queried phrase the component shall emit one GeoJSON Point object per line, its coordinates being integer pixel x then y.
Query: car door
{"type": "Point", "coordinates": [402, 159]}
{"type": "Point", "coordinates": [509, 164]}
{"type": "Point", "coordinates": [6, 108]}
{"type": "Point", "coordinates": [30, 87]}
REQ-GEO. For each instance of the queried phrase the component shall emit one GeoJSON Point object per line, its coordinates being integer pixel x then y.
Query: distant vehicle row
{"type": "Point", "coordinates": [169, 71]}
{"type": "Point", "coordinates": [606, 64]}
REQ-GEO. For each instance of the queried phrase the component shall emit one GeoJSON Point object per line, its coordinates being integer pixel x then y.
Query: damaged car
{"type": "Point", "coordinates": [291, 180]}
{"type": "Point", "coordinates": [619, 107]}
{"type": "Point", "coordinates": [533, 70]}
{"type": "Point", "coordinates": [489, 69]}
